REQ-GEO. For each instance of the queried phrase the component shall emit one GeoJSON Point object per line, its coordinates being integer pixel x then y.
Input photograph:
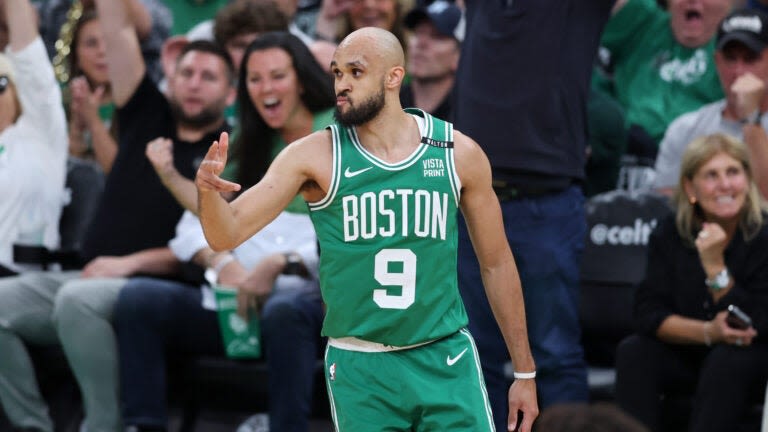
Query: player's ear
{"type": "Point", "coordinates": [394, 77]}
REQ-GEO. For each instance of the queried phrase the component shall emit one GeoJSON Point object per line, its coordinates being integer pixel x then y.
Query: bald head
{"type": "Point", "coordinates": [368, 72]}
{"type": "Point", "coordinates": [375, 43]}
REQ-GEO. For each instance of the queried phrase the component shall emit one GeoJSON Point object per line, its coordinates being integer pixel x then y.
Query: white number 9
{"type": "Point", "coordinates": [406, 279]}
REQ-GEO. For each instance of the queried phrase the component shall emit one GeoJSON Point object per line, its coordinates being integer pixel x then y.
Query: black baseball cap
{"type": "Point", "coordinates": [746, 26]}
{"type": "Point", "coordinates": [444, 15]}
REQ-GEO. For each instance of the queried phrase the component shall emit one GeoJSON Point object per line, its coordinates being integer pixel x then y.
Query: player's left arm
{"type": "Point", "coordinates": [499, 273]}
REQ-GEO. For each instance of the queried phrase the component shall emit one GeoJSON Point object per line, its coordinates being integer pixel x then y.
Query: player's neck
{"type": "Point", "coordinates": [392, 135]}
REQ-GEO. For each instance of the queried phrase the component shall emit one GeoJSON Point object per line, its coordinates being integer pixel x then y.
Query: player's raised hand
{"type": "Point", "coordinates": [210, 169]}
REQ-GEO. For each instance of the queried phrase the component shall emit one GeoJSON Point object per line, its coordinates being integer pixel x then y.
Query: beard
{"type": "Point", "coordinates": [358, 115]}
{"type": "Point", "coordinates": [207, 116]}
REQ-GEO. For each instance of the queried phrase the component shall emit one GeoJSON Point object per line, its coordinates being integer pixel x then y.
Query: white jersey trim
{"type": "Point", "coordinates": [335, 172]}
{"type": "Point", "coordinates": [480, 379]}
{"type": "Point", "coordinates": [360, 345]}
{"type": "Point", "coordinates": [453, 175]}
{"type": "Point", "coordinates": [418, 152]}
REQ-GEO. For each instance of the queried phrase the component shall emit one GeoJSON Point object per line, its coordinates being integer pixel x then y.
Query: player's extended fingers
{"type": "Point", "coordinates": [211, 157]}
{"type": "Point", "coordinates": [226, 186]}
{"type": "Point", "coordinates": [208, 181]}
{"type": "Point", "coordinates": [209, 167]}
{"type": "Point", "coordinates": [218, 150]}
{"type": "Point", "coordinates": [223, 147]}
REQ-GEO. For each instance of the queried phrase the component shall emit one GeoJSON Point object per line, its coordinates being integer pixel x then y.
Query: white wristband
{"type": "Point", "coordinates": [226, 259]}
{"type": "Point", "coordinates": [212, 273]}
{"type": "Point", "coordinates": [525, 375]}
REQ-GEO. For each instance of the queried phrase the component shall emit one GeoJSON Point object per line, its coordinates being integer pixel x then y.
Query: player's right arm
{"type": "Point", "coordinates": [226, 225]}
{"type": "Point", "coordinates": [501, 280]}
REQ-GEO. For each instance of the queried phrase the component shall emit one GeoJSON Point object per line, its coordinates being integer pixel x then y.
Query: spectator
{"type": "Point", "coordinates": [662, 63]}
{"type": "Point", "coordinates": [283, 93]}
{"type": "Point", "coordinates": [322, 49]}
{"type": "Point", "coordinates": [91, 131]}
{"type": "Point", "coordinates": [75, 308]}
{"type": "Point", "coordinates": [531, 121]}
{"type": "Point", "coordinates": [238, 20]}
{"type": "Point", "coordinates": [433, 57]}
{"type": "Point", "coordinates": [150, 18]}
{"type": "Point", "coordinates": [711, 254]}
{"type": "Point", "coordinates": [33, 146]}
{"type": "Point", "coordinates": [338, 18]}
{"type": "Point", "coordinates": [240, 23]}
{"type": "Point", "coordinates": [290, 9]}
{"type": "Point", "coordinates": [742, 64]}
{"type": "Point", "coordinates": [237, 24]}
{"type": "Point", "coordinates": [154, 317]}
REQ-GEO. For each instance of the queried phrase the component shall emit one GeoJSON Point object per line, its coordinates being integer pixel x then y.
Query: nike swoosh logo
{"type": "Point", "coordinates": [450, 361]}
{"type": "Point", "coordinates": [350, 174]}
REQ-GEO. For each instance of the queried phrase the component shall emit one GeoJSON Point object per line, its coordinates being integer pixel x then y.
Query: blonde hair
{"type": "Point", "coordinates": [689, 216]}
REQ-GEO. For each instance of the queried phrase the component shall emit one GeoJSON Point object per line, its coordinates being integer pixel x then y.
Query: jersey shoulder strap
{"type": "Point", "coordinates": [438, 133]}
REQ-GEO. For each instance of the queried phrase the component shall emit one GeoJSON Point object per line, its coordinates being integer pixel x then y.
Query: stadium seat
{"type": "Point", "coordinates": [618, 225]}
{"type": "Point", "coordinates": [84, 185]}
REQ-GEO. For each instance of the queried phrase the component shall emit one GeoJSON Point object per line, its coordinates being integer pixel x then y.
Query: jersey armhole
{"type": "Point", "coordinates": [335, 173]}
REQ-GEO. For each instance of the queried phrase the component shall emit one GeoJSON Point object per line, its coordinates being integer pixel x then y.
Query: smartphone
{"type": "Point", "coordinates": [737, 318]}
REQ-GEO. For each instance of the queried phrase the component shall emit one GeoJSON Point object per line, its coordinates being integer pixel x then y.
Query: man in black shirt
{"type": "Point", "coordinates": [521, 92]}
{"type": "Point", "coordinates": [433, 57]}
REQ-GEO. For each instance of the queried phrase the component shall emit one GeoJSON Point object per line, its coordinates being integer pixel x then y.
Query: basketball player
{"type": "Point", "coordinates": [383, 186]}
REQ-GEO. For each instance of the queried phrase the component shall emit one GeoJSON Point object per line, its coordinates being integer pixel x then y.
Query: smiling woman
{"type": "Point", "coordinates": [284, 95]}
{"type": "Point", "coordinates": [712, 254]}
{"type": "Point", "coordinates": [717, 187]}
{"type": "Point", "coordinates": [88, 98]}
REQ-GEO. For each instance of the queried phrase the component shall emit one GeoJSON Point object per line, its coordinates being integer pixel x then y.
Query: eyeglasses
{"type": "Point", "coordinates": [4, 81]}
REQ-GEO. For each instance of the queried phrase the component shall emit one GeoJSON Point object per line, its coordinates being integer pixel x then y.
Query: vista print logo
{"type": "Point", "coordinates": [622, 235]}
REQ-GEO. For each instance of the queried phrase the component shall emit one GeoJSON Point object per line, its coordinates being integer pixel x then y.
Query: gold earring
{"type": "Point", "coordinates": [692, 199]}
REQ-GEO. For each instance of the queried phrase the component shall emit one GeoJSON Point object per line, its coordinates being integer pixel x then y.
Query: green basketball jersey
{"type": "Point", "coordinates": [388, 239]}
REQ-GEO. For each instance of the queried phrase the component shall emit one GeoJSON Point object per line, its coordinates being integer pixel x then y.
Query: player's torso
{"type": "Point", "coordinates": [388, 241]}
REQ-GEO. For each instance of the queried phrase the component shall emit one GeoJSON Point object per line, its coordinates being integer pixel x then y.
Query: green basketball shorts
{"type": "Point", "coordinates": [434, 387]}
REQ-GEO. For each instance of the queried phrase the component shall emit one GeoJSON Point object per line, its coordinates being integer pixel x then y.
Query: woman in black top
{"type": "Point", "coordinates": [713, 253]}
